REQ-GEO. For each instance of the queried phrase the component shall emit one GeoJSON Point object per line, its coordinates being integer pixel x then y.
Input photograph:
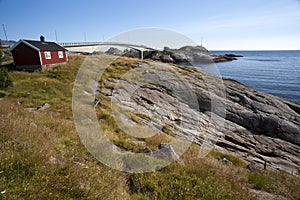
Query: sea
{"type": "Point", "coordinates": [274, 72]}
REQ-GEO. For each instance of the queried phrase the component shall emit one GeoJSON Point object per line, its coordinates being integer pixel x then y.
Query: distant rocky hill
{"type": "Point", "coordinates": [7, 43]}
{"type": "Point", "coordinates": [261, 128]}
{"type": "Point", "coordinates": [187, 55]}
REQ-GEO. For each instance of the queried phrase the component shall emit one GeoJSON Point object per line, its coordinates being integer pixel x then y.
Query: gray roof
{"type": "Point", "coordinates": [46, 46]}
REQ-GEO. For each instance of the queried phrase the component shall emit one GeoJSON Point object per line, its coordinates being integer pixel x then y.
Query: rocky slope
{"type": "Point", "coordinates": [260, 128]}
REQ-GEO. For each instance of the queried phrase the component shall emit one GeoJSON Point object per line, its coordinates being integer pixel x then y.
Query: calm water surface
{"type": "Point", "coordinates": [274, 72]}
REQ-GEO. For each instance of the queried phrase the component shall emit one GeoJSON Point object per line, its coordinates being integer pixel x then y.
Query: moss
{"type": "Point", "coordinates": [135, 118]}
{"type": "Point", "coordinates": [167, 129]}
{"type": "Point", "coordinates": [234, 160]}
{"type": "Point", "coordinates": [122, 143]}
{"type": "Point", "coordinates": [143, 116]}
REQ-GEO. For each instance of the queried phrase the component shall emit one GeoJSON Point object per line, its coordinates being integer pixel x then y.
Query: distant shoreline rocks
{"type": "Point", "coordinates": [232, 55]}
{"type": "Point", "coordinates": [187, 55]}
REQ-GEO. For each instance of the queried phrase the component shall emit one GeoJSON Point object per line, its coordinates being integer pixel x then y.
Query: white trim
{"type": "Point", "coordinates": [40, 58]}
{"type": "Point", "coordinates": [60, 54]}
{"type": "Point", "coordinates": [26, 43]}
{"type": "Point", "coordinates": [66, 56]}
{"type": "Point", "coordinates": [47, 55]}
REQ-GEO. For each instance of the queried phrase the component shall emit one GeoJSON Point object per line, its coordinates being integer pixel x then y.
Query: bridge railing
{"type": "Point", "coordinates": [78, 44]}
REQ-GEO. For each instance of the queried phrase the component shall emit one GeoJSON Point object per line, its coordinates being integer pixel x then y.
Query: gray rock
{"type": "Point", "coordinates": [55, 161]}
{"type": "Point", "coordinates": [187, 55]}
{"type": "Point", "coordinates": [32, 124]}
{"type": "Point", "coordinates": [166, 152]}
{"type": "Point", "coordinates": [81, 165]}
{"type": "Point", "coordinates": [30, 109]}
{"type": "Point", "coordinates": [167, 59]}
{"type": "Point", "coordinates": [145, 150]}
{"type": "Point", "coordinates": [136, 142]}
{"type": "Point", "coordinates": [114, 51]}
{"type": "Point", "coordinates": [257, 124]}
{"type": "Point", "coordinates": [226, 161]}
{"type": "Point", "coordinates": [262, 195]}
{"type": "Point", "coordinates": [44, 107]}
{"type": "Point", "coordinates": [255, 167]}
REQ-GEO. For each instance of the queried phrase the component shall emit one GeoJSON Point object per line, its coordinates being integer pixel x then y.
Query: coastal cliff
{"type": "Point", "coordinates": [41, 149]}
{"type": "Point", "coordinates": [261, 129]}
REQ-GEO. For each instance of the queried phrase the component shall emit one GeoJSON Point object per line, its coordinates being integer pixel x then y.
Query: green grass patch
{"type": "Point", "coordinates": [175, 182]}
{"type": "Point", "coordinates": [260, 181]}
{"type": "Point", "coordinates": [279, 183]}
{"type": "Point", "coordinates": [234, 160]}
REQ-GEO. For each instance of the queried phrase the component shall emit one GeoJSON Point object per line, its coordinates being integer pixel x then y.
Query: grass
{"type": "Point", "coordinates": [234, 160]}
{"type": "Point", "coordinates": [260, 181]}
{"type": "Point", "coordinates": [6, 60]}
{"type": "Point", "coordinates": [275, 182]}
{"type": "Point", "coordinates": [53, 87]}
{"type": "Point", "coordinates": [29, 140]}
{"type": "Point", "coordinates": [196, 179]}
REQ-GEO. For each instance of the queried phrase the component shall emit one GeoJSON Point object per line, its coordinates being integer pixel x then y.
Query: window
{"type": "Point", "coordinates": [47, 54]}
{"type": "Point", "coordinates": [61, 54]}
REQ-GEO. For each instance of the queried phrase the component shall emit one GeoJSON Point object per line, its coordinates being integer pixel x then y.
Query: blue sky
{"type": "Point", "coordinates": [223, 24]}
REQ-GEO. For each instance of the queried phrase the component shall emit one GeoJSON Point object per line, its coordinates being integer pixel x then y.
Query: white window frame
{"type": "Point", "coordinates": [48, 55]}
{"type": "Point", "coordinates": [60, 54]}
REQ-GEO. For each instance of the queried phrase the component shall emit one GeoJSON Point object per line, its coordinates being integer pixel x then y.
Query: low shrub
{"type": "Point", "coordinates": [5, 79]}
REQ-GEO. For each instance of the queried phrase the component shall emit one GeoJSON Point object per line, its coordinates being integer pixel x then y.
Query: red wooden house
{"type": "Point", "coordinates": [37, 55]}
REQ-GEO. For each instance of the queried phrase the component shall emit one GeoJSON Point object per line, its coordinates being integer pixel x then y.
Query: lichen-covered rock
{"type": "Point", "coordinates": [260, 128]}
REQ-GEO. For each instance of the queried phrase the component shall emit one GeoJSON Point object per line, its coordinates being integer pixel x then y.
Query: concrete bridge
{"type": "Point", "coordinates": [90, 47]}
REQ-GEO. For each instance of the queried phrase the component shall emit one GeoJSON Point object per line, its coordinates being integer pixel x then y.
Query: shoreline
{"type": "Point", "coordinates": [273, 72]}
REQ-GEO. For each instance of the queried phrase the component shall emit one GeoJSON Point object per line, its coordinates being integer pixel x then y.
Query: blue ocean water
{"type": "Point", "coordinates": [274, 72]}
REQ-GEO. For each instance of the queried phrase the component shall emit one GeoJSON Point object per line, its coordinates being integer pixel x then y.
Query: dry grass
{"type": "Point", "coordinates": [194, 178]}
{"type": "Point", "coordinates": [29, 140]}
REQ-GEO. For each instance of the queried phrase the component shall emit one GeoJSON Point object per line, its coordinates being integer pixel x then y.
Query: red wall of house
{"type": "Point", "coordinates": [54, 58]}
{"type": "Point", "coordinates": [25, 55]}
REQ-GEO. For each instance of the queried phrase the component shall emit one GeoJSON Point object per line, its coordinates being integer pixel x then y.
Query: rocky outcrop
{"type": "Point", "coordinates": [114, 51]}
{"type": "Point", "coordinates": [187, 55]}
{"type": "Point", "coordinates": [166, 152]}
{"type": "Point", "coordinates": [262, 195]}
{"type": "Point", "coordinates": [260, 128]}
{"type": "Point", "coordinates": [232, 55]}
